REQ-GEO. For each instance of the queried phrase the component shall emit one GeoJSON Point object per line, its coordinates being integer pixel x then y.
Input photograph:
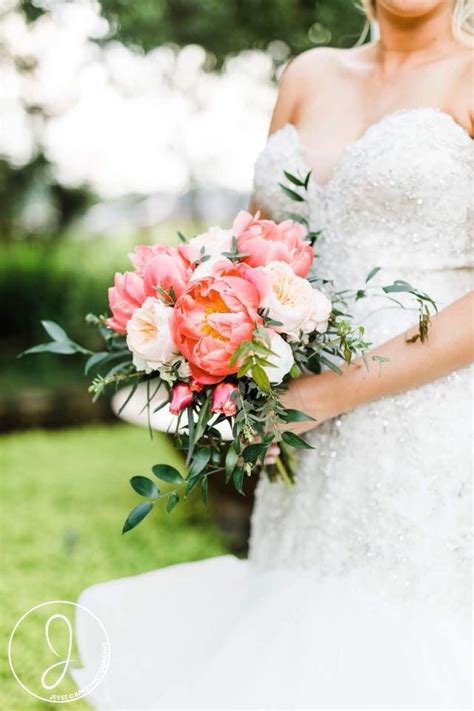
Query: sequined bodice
{"type": "Point", "coordinates": [386, 489]}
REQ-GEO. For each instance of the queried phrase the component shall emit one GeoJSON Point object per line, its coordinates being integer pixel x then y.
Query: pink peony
{"type": "Point", "coordinates": [212, 318]}
{"type": "Point", "coordinates": [181, 397]}
{"type": "Point", "coordinates": [142, 254]}
{"type": "Point", "coordinates": [265, 241]}
{"type": "Point", "coordinates": [127, 295]}
{"type": "Point", "coordinates": [222, 400]}
{"type": "Point", "coordinates": [165, 275]}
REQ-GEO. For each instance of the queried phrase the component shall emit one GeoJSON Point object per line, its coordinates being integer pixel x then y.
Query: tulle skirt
{"type": "Point", "coordinates": [221, 634]}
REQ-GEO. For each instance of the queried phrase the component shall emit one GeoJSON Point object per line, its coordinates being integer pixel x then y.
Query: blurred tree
{"type": "Point", "coordinates": [32, 202]}
{"type": "Point", "coordinates": [222, 27]}
{"type": "Point", "coordinates": [225, 27]}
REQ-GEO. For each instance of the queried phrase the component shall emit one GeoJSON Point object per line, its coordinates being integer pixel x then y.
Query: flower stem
{"type": "Point", "coordinates": [283, 473]}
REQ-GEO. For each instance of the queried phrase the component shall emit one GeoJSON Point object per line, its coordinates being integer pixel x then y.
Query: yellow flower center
{"type": "Point", "coordinates": [216, 305]}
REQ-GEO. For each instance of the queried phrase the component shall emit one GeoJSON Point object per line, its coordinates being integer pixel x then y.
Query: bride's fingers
{"type": "Point", "coordinates": [272, 453]}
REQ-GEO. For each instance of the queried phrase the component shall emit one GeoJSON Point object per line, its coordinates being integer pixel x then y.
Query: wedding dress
{"type": "Point", "coordinates": [356, 593]}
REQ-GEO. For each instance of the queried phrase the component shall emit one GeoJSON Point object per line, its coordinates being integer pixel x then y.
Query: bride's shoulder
{"type": "Point", "coordinates": [312, 72]}
{"type": "Point", "coordinates": [322, 62]}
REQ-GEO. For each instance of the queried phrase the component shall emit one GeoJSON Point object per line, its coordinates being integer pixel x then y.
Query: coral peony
{"type": "Point", "coordinates": [212, 318]}
{"type": "Point", "coordinates": [143, 253]}
{"type": "Point", "coordinates": [264, 241]}
{"type": "Point", "coordinates": [127, 295]}
{"type": "Point", "coordinates": [166, 277]}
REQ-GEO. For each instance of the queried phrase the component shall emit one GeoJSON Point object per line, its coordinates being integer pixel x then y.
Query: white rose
{"type": "Point", "coordinates": [293, 302]}
{"type": "Point", "coordinates": [212, 244]}
{"type": "Point", "coordinates": [282, 360]}
{"type": "Point", "coordinates": [149, 336]}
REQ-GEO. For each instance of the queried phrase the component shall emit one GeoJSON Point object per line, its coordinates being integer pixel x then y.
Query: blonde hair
{"type": "Point", "coordinates": [463, 18]}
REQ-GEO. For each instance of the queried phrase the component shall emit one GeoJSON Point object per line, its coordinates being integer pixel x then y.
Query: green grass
{"type": "Point", "coordinates": [64, 498]}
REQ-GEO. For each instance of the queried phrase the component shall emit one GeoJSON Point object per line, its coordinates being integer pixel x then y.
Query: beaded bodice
{"type": "Point", "coordinates": [386, 489]}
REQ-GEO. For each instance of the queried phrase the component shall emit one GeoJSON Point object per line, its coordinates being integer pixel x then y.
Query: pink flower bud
{"type": "Point", "coordinates": [222, 400]}
{"type": "Point", "coordinates": [181, 397]}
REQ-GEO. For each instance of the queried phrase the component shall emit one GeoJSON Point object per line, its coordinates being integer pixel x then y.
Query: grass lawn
{"type": "Point", "coordinates": [64, 497]}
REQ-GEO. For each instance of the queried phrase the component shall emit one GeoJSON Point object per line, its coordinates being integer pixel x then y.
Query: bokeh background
{"type": "Point", "coordinates": [120, 122]}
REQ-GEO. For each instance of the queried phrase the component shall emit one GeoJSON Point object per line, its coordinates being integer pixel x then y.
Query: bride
{"type": "Point", "coordinates": [356, 593]}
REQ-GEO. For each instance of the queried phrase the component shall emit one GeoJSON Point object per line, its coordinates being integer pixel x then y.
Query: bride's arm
{"type": "Point", "coordinates": [450, 346]}
{"type": "Point", "coordinates": [285, 109]}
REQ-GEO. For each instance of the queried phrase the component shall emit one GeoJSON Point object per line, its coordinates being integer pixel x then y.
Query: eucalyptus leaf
{"type": "Point", "coordinates": [204, 490]}
{"type": "Point", "coordinates": [167, 473]}
{"type": "Point", "coordinates": [372, 273]}
{"type": "Point", "coordinates": [137, 515]}
{"type": "Point", "coordinates": [145, 487]}
{"type": "Point", "coordinates": [95, 359]}
{"type": "Point", "coordinates": [294, 440]}
{"type": "Point", "coordinates": [295, 416]}
{"type": "Point", "coordinates": [293, 179]}
{"type": "Point", "coordinates": [172, 501]}
{"type": "Point", "coordinates": [55, 331]}
{"type": "Point", "coordinates": [261, 378]}
{"type": "Point", "coordinates": [231, 460]}
{"type": "Point", "coordinates": [63, 348]}
{"type": "Point", "coordinates": [291, 193]}
{"type": "Point", "coordinates": [200, 461]}
{"type": "Point", "coordinates": [253, 451]}
{"type": "Point", "coordinates": [238, 479]}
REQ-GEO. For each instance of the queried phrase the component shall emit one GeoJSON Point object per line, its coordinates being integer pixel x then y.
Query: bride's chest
{"type": "Point", "coordinates": [406, 185]}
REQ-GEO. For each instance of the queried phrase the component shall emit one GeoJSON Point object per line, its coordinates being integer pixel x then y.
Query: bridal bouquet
{"type": "Point", "coordinates": [223, 321]}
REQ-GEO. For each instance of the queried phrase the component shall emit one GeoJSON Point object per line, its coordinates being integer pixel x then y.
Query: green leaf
{"type": "Point", "coordinates": [295, 416]}
{"type": "Point", "coordinates": [204, 490]}
{"type": "Point", "coordinates": [199, 461]}
{"type": "Point", "coordinates": [95, 359]}
{"type": "Point", "coordinates": [60, 347]}
{"type": "Point", "coordinates": [202, 420]}
{"type": "Point", "coordinates": [245, 367]}
{"type": "Point", "coordinates": [137, 515]}
{"type": "Point", "coordinates": [294, 440]}
{"type": "Point", "coordinates": [172, 501]}
{"type": "Point", "coordinates": [261, 378]}
{"type": "Point", "coordinates": [239, 352]}
{"type": "Point", "coordinates": [372, 273]}
{"type": "Point", "coordinates": [238, 479]}
{"type": "Point", "coordinates": [291, 193]}
{"type": "Point", "coordinates": [253, 451]}
{"type": "Point", "coordinates": [298, 218]}
{"type": "Point", "coordinates": [295, 372]}
{"type": "Point", "coordinates": [293, 179]}
{"type": "Point", "coordinates": [145, 487]}
{"type": "Point", "coordinates": [398, 286]}
{"type": "Point", "coordinates": [380, 359]}
{"type": "Point", "coordinates": [56, 332]}
{"type": "Point", "coordinates": [231, 459]}
{"type": "Point", "coordinates": [167, 473]}
{"type": "Point", "coordinates": [260, 348]}
{"type": "Point", "coordinates": [332, 366]}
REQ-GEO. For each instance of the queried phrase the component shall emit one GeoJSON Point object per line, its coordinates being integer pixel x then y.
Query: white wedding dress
{"type": "Point", "coordinates": [356, 594]}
